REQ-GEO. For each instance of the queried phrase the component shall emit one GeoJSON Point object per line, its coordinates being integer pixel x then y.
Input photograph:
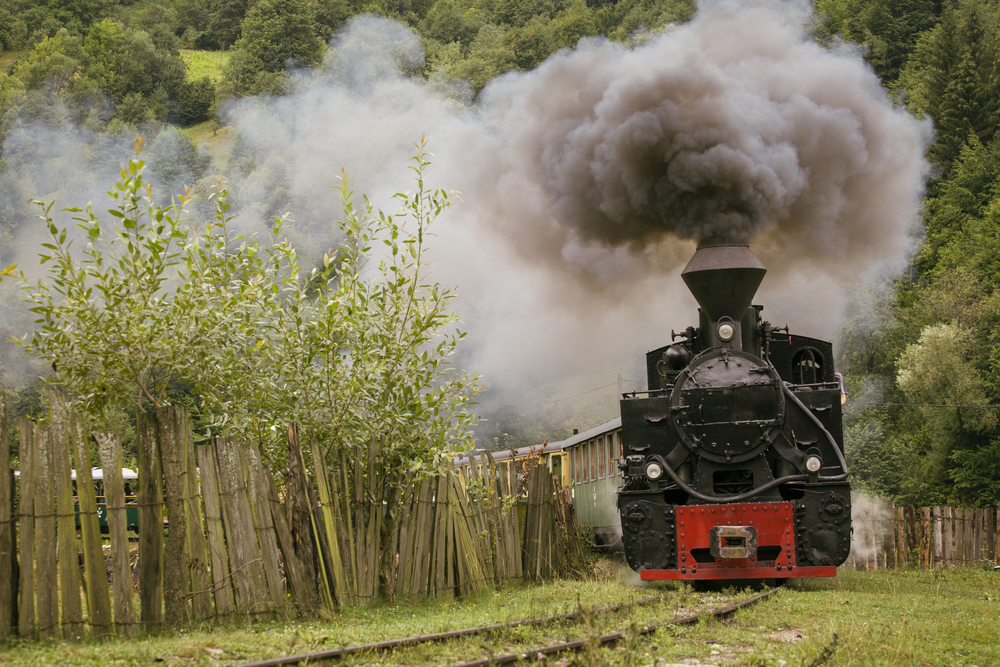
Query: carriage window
{"type": "Point", "coordinates": [612, 454]}
{"type": "Point", "coordinates": [593, 459]}
{"type": "Point", "coordinates": [600, 457]}
{"type": "Point", "coordinates": [807, 366]}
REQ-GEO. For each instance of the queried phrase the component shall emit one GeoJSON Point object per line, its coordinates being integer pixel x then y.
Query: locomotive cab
{"type": "Point", "coordinates": [733, 458]}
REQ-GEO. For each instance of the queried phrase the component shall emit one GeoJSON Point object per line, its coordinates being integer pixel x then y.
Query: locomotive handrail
{"type": "Point", "coordinates": [825, 385]}
{"type": "Point", "coordinates": [840, 455]}
{"type": "Point", "coordinates": [643, 391]}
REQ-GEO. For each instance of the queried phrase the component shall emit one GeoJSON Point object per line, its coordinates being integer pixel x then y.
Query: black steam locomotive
{"type": "Point", "coordinates": [733, 461]}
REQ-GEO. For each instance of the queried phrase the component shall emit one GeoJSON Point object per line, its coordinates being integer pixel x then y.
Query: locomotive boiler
{"type": "Point", "coordinates": [733, 463]}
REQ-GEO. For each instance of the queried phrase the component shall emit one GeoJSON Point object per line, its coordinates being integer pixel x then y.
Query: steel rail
{"type": "Point", "coordinates": [609, 638]}
{"type": "Point", "coordinates": [439, 636]}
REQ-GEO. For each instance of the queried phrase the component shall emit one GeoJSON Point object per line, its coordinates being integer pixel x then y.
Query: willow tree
{"type": "Point", "coordinates": [356, 351]}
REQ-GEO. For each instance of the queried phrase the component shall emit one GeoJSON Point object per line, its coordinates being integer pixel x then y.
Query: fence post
{"type": "Point", "coordinates": [26, 528]}
{"type": "Point", "coordinates": [970, 536]}
{"type": "Point", "coordinates": [889, 535]}
{"type": "Point", "coordinates": [948, 529]}
{"type": "Point", "coordinates": [109, 452]}
{"type": "Point", "coordinates": [873, 530]}
{"type": "Point", "coordinates": [938, 559]}
{"type": "Point", "coordinates": [241, 539]}
{"type": "Point", "coordinates": [173, 458]}
{"type": "Point", "coordinates": [902, 557]}
{"type": "Point", "coordinates": [912, 543]}
{"type": "Point", "coordinates": [150, 501]}
{"type": "Point", "coordinates": [221, 581]}
{"type": "Point", "coordinates": [925, 538]}
{"type": "Point", "coordinates": [991, 544]}
{"type": "Point", "coordinates": [69, 564]}
{"type": "Point", "coordinates": [959, 537]}
{"type": "Point", "coordinates": [197, 556]}
{"type": "Point", "coordinates": [46, 582]}
{"type": "Point", "coordinates": [7, 601]}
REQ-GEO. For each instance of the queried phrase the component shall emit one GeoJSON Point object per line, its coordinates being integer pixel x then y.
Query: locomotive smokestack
{"type": "Point", "coordinates": [724, 279]}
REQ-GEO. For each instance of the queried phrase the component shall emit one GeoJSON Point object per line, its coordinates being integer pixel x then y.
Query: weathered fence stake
{"type": "Point", "coordinates": [8, 601]}
{"type": "Point", "coordinates": [95, 579]}
{"type": "Point", "coordinates": [46, 581]}
{"type": "Point", "coordinates": [222, 585]}
{"type": "Point", "coordinates": [69, 567]}
{"type": "Point", "coordinates": [150, 501]}
{"type": "Point", "coordinates": [26, 526]}
{"type": "Point", "coordinates": [938, 544]}
{"type": "Point", "coordinates": [109, 451]}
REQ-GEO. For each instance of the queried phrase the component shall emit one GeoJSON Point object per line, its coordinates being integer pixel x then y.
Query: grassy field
{"type": "Point", "coordinates": [214, 137]}
{"type": "Point", "coordinates": [199, 64]}
{"type": "Point", "coordinates": [6, 58]}
{"type": "Point", "coordinates": [881, 618]}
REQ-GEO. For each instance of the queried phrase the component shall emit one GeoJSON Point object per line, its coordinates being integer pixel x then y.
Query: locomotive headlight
{"type": "Point", "coordinates": [726, 331]}
{"type": "Point", "coordinates": [813, 463]}
{"type": "Point", "coordinates": [654, 470]}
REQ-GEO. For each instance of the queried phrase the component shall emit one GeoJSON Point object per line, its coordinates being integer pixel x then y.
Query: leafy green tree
{"type": "Point", "coordinates": [330, 15]}
{"type": "Point", "coordinates": [157, 18]}
{"type": "Point", "coordinates": [530, 44]}
{"type": "Point", "coordinates": [242, 75]}
{"type": "Point", "coordinates": [192, 23]}
{"type": "Point", "coordinates": [936, 370]}
{"type": "Point", "coordinates": [196, 99]}
{"type": "Point", "coordinates": [175, 160]}
{"type": "Point", "coordinates": [57, 61]}
{"type": "Point", "coordinates": [77, 15]}
{"type": "Point", "coordinates": [450, 21]}
{"type": "Point", "coordinates": [128, 63]}
{"type": "Point", "coordinates": [225, 22]}
{"type": "Point", "coordinates": [276, 32]}
{"type": "Point", "coordinates": [574, 22]}
{"type": "Point", "coordinates": [10, 89]}
{"type": "Point", "coordinates": [622, 20]}
{"type": "Point", "coordinates": [488, 58]}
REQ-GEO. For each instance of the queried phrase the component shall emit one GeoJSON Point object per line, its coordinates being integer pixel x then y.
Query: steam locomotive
{"type": "Point", "coordinates": [733, 463]}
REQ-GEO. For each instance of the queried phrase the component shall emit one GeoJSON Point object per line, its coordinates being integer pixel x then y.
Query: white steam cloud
{"type": "Point", "coordinates": [587, 183]}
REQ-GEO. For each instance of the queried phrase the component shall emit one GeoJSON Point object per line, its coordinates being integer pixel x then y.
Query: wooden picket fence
{"type": "Point", "coordinates": [220, 537]}
{"type": "Point", "coordinates": [887, 536]}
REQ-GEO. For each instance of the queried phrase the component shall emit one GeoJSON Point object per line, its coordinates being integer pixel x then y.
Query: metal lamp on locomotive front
{"type": "Point", "coordinates": [733, 461]}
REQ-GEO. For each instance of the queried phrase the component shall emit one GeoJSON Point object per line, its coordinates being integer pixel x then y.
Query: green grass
{"type": "Point", "coordinates": [875, 618]}
{"type": "Point", "coordinates": [199, 64]}
{"type": "Point", "coordinates": [214, 137]}
{"type": "Point", "coordinates": [881, 618]}
{"type": "Point", "coordinates": [6, 58]}
{"type": "Point", "coordinates": [244, 640]}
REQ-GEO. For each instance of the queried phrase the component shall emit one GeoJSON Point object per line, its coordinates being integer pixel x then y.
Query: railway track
{"type": "Point", "coordinates": [610, 638]}
{"type": "Point", "coordinates": [318, 657]}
